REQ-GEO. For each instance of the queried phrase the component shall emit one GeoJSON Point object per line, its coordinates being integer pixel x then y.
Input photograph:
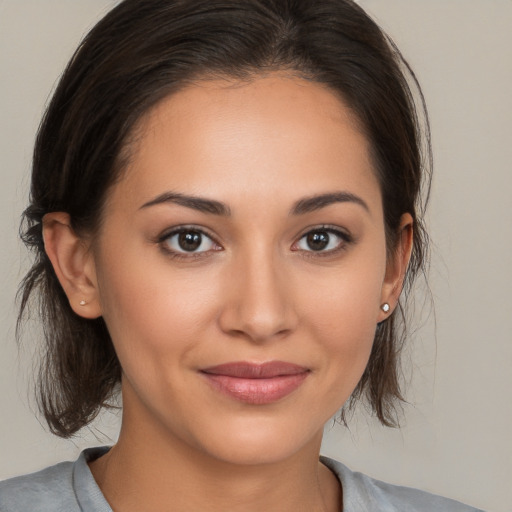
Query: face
{"type": "Point", "coordinates": [241, 265]}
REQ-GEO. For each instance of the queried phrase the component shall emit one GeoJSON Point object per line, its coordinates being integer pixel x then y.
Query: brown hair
{"type": "Point", "coordinates": [139, 53]}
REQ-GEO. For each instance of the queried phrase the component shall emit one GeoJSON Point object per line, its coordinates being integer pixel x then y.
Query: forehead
{"type": "Point", "coordinates": [276, 136]}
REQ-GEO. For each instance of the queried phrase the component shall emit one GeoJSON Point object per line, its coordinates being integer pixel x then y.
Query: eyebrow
{"type": "Point", "coordinates": [196, 203]}
{"type": "Point", "coordinates": [301, 207]}
{"type": "Point", "coordinates": [313, 203]}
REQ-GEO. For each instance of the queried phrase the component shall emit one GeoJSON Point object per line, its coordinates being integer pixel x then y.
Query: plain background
{"type": "Point", "coordinates": [456, 439]}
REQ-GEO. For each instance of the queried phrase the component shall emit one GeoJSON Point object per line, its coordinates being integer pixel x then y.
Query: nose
{"type": "Point", "coordinates": [260, 300]}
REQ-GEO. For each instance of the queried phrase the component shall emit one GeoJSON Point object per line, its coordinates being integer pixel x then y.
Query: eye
{"type": "Point", "coordinates": [323, 240]}
{"type": "Point", "coordinates": [188, 240]}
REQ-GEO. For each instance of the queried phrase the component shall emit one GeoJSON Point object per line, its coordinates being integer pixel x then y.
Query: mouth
{"type": "Point", "coordinates": [256, 384]}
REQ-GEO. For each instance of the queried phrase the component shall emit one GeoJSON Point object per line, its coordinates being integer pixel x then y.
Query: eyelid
{"type": "Point", "coordinates": [346, 237]}
{"type": "Point", "coordinates": [176, 230]}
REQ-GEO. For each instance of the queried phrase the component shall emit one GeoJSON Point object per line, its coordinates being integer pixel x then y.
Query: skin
{"type": "Point", "coordinates": [256, 292]}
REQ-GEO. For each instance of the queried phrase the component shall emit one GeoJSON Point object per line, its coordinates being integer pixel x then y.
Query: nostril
{"type": "Point", "coordinates": [257, 327]}
{"type": "Point", "coordinates": [259, 304]}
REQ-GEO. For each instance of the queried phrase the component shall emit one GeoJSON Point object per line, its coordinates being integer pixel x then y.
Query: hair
{"type": "Point", "coordinates": [141, 52]}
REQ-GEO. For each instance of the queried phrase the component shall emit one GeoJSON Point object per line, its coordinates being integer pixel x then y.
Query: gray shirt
{"type": "Point", "coordinates": [70, 487]}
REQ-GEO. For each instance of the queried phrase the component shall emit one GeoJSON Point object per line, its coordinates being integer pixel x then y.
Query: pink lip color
{"type": "Point", "coordinates": [256, 384]}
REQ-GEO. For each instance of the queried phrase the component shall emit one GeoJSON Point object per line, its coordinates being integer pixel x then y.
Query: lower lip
{"type": "Point", "coordinates": [256, 391]}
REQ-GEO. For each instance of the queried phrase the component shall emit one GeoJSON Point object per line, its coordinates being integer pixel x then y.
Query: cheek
{"type": "Point", "coordinates": [342, 313]}
{"type": "Point", "coordinates": [346, 302]}
{"type": "Point", "coordinates": [153, 314]}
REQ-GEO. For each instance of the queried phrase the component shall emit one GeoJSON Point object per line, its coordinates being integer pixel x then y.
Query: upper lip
{"type": "Point", "coordinates": [246, 370]}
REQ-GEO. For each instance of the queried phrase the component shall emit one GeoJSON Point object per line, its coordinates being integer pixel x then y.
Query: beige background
{"type": "Point", "coordinates": [457, 437]}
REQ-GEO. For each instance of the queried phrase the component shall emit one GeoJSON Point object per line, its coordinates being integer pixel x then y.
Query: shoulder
{"type": "Point", "coordinates": [65, 487]}
{"type": "Point", "coordinates": [362, 493]}
{"type": "Point", "coordinates": [48, 490]}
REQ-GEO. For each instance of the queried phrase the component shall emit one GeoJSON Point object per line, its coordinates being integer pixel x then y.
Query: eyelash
{"type": "Point", "coordinates": [346, 239]}
{"type": "Point", "coordinates": [185, 255]}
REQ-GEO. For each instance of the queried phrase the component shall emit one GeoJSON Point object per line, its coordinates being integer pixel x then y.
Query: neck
{"type": "Point", "coordinates": [148, 469]}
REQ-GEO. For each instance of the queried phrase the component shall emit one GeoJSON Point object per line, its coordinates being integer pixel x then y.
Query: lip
{"type": "Point", "coordinates": [256, 384]}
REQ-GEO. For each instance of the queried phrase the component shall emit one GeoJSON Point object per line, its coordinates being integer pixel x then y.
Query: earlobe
{"type": "Point", "coordinates": [73, 264]}
{"type": "Point", "coordinates": [397, 267]}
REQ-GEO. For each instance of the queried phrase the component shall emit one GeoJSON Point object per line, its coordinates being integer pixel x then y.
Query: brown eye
{"type": "Point", "coordinates": [323, 240]}
{"type": "Point", "coordinates": [317, 241]}
{"type": "Point", "coordinates": [188, 241]}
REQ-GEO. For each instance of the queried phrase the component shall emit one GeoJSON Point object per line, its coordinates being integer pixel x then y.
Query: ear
{"type": "Point", "coordinates": [396, 266]}
{"type": "Point", "coordinates": [73, 264]}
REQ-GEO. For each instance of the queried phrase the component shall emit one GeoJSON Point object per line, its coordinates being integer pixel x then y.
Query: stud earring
{"type": "Point", "coordinates": [385, 307]}
{"type": "Point", "coordinates": [83, 303]}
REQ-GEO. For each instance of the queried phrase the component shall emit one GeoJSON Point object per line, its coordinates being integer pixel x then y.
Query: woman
{"type": "Point", "coordinates": [225, 206]}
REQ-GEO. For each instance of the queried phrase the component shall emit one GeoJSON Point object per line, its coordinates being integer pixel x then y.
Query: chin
{"type": "Point", "coordinates": [260, 441]}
